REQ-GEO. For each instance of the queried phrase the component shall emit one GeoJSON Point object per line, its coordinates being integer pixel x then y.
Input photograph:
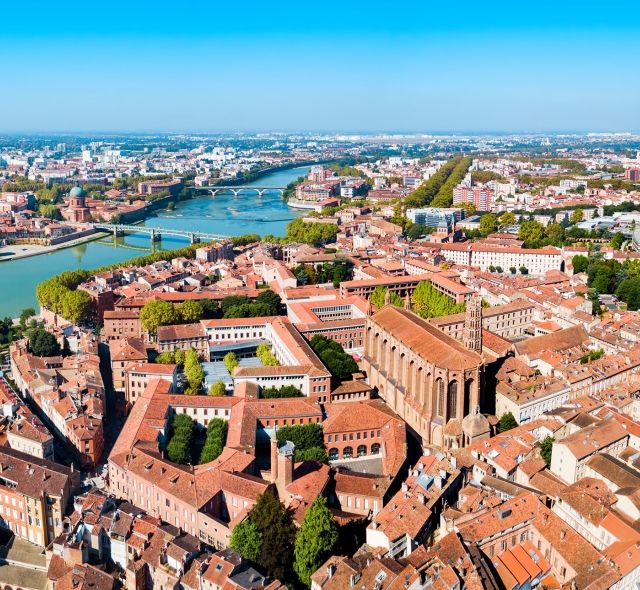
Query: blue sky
{"type": "Point", "coordinates": [405, 66]}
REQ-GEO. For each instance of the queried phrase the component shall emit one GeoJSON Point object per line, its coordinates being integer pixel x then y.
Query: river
{"type": "Point", "coordinates": [223, 214]}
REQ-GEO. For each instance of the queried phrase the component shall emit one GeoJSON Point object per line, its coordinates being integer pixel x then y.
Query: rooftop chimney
{"type": "Point", "coordinates": [274, 458]}
{"type": "Point", "coordinates": [285, 465]}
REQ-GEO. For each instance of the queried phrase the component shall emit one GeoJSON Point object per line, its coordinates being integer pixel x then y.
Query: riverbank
{"type": "Point", "coordinates": [297, 204]}
{"type": "Point", "coordinates": [224, 214]}
{"type": "Point", "coordinates": [18, 251]}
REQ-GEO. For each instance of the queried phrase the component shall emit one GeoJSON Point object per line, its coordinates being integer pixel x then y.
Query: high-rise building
{"type": "Point", "coordinates": [632, 174]}
{"type": "Point", "coordinates": [481, 196]}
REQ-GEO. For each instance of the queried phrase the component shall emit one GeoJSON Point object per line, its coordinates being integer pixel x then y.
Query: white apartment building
{"type": "Point", "coordinates": [533, 403]}
{"type": "Point", "coordinates": [537, 261]}
{"type": "Point", "coordinates": [571, 454]}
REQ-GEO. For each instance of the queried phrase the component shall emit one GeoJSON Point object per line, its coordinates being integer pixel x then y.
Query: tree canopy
{"type": "Point", "coordinates": [215, 441]}
{"type": "Point", "coordinates": [488, 224]}
{"type": "Point", "coordinates": [428, 302]}
{"type": "Point", "coordinates": [546, 447]}
{"type": "Point", "coordinates": [379, 295]}
{"type": "Point", "coordinates": [156, 313]}
{"type": "Point", "coordinates": [340, 364]}
{"type": "Point", "coordinates": [43, 343]}
{"type": "Point", "coordinates": [193, 372]}
{"type": "Point", "coordinates": [179, 446]}
{"type": "Point", "coordinates": [217, 389]}
{"type": "Point", "coordinates": [309, 232]}
{"type": "Point", "coordinates": [315, 540]}
{"type": "Point", "coordinates": [507, 422]}
{"type": "Point", "coordinates": [273, 522]}
{"type": "Point", "coordinates": [246, 540]}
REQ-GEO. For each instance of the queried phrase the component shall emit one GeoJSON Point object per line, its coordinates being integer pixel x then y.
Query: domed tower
{"type": "Point", "coordinates": [77, 198]}
{"type": "Point", "coordinates": [475, 427]}
{"type": "Point", "coordinates": [78, 211]}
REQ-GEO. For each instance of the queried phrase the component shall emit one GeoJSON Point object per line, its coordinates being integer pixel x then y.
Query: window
{"type": "Point", "coordinates": [347, 453]}
{"type": "Point", "coordinates": [452, 400]}
{"type": "Point", "coordinates": [362, 450]}
{"type": "Point", "coordinates": [333, 454]}
{"type": "Point", "coordinates": [375, 449]}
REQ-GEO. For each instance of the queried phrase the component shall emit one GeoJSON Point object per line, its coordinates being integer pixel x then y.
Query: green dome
{"type": "Point", "coordinates": [77, 191]}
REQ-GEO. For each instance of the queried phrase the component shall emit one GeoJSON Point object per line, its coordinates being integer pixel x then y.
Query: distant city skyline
{"type": "Point", "coordinates": [356, 68]}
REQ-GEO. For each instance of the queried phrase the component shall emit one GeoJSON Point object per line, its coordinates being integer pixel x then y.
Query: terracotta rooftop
{"type": "Point", "coordinates": [426, 340]}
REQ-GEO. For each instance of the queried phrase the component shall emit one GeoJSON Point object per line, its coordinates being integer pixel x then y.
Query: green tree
{"type": "Point", "coordinates": [43, 343]}
{"type": "Point", "coordinates": [178, 451]}
{"type": "Point", "coordinates": [555, 233]}
{"type": "Point", "coordinates": [580, 263]}
{"type": "Point", "coordinates": [312, 233]}
{"type": "Point", "coordinates": [469, 208]}
{"type": "Point", "coordinates": [303, 436]}
{"type": "Point", "coordinates": [629, 292]}
{"type": "Point", "coordinates": [190, 311]}
{"type": "Point", "coordinates": [488, 224]}
{"type": "Point", "coordinates": [428, 190]}
{"type": "Point", "coordinates": [507, 422]}
{"type": "Point", "coordinates": [246, 540]}
{"type": "Point", "coordinates": [218, 389]}
{"type": "Point", "coordinates": [274, 523]}
{"type": "Point", "coordinates": [77, 306]}
{"type": "Point", "coordinates": [507, 219]}
{"type": "Point", "coordinates": [267, 358]}
{"type": "Point", "coordinates": [232, 301]}
{"type": "Point", "coordinates": [215, 441]}
{"type": "Point", "coordinates": [165, 358]}
{"type": "Point", "coordinates": [430, 303]}
{"type": "Point", "coordinates": [231, 362]}
{"type": "Point", "coordinates": [193, 372]}
{"type": "Point", "coordinates": [179, 357]}
{"type": "Point", "coordinates": [524, 270]}
{"type": "Point", "coordinates": [377, 297]}
{"type": "Point", "coordinates": [415, 231]}
{"type": "Point", "coordinates": [280, 392]}
{"type": "Point", "coordinates": [315, 540]}
{"type": "Point", "coordinates": [179, 446]}
{"type": "Point", "coordinates": [617, 240]}
{"type": "Point", "coordinates": [248, 310]}
{"type": "Point", "coordinates": [531, 232]}
{"type": "Point", "coordinates": [272, 300]}
{"type": "Point", "coordinates": [158, 313]}
{"type": "Point", "coordinates": [25, 315]}
{"type": "Point", "coordinates": [577, 215]}
{"type": "Point", "coordinates": [445, 193]}
{"type": "Point", "coordinates": [546, 448]}
{"type": "Point", "coordinates": [312, 454]}
{"type": "Point", "coordinates": [340, 364]}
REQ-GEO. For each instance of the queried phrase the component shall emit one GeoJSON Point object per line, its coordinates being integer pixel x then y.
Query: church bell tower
{"type": "Point", "coordinates": [472, 336]}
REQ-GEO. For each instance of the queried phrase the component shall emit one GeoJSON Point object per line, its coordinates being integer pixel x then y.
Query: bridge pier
{"type": "Point", "coordinates": [194, 239]}
{"type": "Point", "coordinates": [260, 192]}
{"type": "Point", "coordinates": [155, 236]}
{"type": "Point", "coordinates": [117, 233]}
{"type": "Point", "coordinates": [235, 192]}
